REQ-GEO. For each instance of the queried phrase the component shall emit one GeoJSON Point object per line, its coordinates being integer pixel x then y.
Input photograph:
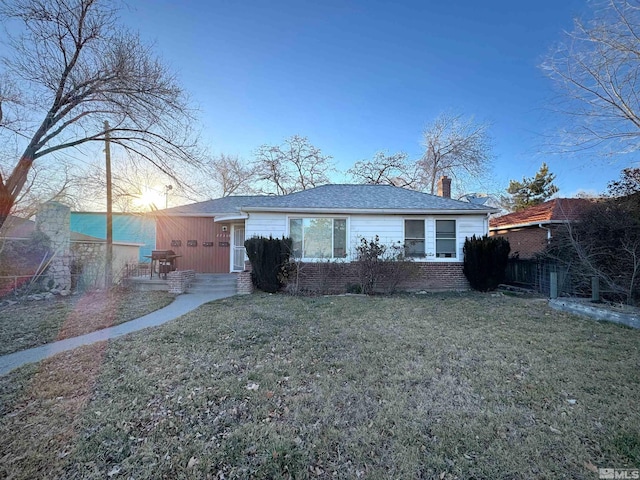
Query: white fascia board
{"type": "Point", "coordinates": [528, 224]}
{"type": "Point", "coordinates": [367, 211]}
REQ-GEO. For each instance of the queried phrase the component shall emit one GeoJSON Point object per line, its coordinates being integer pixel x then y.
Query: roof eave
{"type": "Point", "coordinates": [528, 224]}
{"type": "Point", "coordinates": [375, 211]}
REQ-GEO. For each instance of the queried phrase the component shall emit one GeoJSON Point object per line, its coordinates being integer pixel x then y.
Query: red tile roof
{"type": "Point", "coordinates": [558, 209]}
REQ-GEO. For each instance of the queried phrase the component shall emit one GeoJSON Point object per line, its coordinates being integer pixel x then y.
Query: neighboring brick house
{"type": "Point", "coordinates": [530, 230]}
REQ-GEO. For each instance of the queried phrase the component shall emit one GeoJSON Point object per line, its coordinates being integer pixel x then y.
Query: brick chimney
{"type": "Point", "coordinates": [444, 187]}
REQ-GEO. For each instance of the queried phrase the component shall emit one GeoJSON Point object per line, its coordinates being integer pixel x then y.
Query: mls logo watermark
{"type": "Point", "coordinates": [619, 473]}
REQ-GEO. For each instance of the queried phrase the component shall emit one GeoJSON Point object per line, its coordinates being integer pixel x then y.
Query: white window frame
{"type": "Point", "coordinates": [333, 218]}
{"type": "Point", "coordinates": [457, 257]}
{"type": "Point", "coordinates": [424, 235]}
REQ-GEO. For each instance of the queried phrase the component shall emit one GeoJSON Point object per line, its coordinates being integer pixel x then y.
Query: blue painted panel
{"type": "Point", "coordinates": [127, 227]}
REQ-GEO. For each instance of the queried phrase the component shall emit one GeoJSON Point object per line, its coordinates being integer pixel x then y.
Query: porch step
{"type": "Point", "coordinates": [146, 284]}
{"type": "Point", "coordinates": [223, 283]}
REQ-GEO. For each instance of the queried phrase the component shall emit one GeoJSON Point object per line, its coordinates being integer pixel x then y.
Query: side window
{"type": "Point", "coordinates": [445, 239]}
{"type": "Point", "coordinates": [414, 238]}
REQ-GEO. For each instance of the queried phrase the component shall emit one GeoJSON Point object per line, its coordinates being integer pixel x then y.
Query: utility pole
{"type": "Point", "coordinates": [109, 258]}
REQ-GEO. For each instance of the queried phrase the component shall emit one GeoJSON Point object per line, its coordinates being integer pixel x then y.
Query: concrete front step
{"type": "Point", "coordinates": [214, 283]}
{"type": "Point", "coordinates": [211, 288]}
{"type": "Point", "coordinates": [203, 283]}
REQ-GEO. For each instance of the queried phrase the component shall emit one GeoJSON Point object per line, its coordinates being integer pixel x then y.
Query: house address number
{"type": "Point", "coordinates": [224, 244]}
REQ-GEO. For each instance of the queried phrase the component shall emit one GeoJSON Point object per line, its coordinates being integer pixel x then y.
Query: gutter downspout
{"type": "Point", "coordinates": [548, 232]}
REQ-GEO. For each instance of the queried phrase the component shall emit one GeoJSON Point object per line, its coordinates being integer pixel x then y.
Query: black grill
{"type": "Point", "coordinates": [165, 261]}
{"type": "Point", "coordinates": [162, 254]}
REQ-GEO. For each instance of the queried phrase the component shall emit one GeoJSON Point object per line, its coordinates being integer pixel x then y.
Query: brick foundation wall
{"type": "Point", "coordinates": [326, 277]}
{"type": "Point", "coordinates": [179, 280]}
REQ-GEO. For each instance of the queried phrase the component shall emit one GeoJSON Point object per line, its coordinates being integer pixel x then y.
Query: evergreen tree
{"type": "Point", "coordinates": [530, 191]}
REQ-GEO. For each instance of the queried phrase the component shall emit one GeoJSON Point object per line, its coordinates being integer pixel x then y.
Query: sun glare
{"type": "Point", "coordinates": [150, 199]}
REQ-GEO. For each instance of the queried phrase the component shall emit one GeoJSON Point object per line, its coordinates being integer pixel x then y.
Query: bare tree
{"type": "Point", "coordinates": [596, 72]}
{"type": "Point", "coordinates": [292, 166]}
{"type": "Point", "coordinates": [137, 186]}
{"type": "Point", "coordinates": [44, 184]}
{"type": "Point", "coordinates": [385, 169]}
{"type": "Point", "coordinates": [230, 175]}
{"type": "Point", "coordinates": [71, 67]}
{"type": "Point", "coordinates": [456, 147]}
{"type": "Point", "coordinates": [605, 243]}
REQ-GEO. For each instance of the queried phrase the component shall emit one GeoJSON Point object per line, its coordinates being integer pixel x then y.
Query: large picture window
{"type": "Point", "coordinates": [318, 237]}
{"type": "Point", "coordinates": [414, 238]}
{"type": "Point", "coordinates": [445, 239]}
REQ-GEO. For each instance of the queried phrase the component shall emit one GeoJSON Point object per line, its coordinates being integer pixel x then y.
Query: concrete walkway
{"type": "Point", "coordinates": [182, 304]}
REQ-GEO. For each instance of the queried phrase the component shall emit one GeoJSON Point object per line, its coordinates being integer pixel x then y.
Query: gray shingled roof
{"type": "Point", "coordinates": [367, 197]}
{"type": "Point", "coordinates": [333, 197]}
{"type": "Point", "coordinates": [218, 206]}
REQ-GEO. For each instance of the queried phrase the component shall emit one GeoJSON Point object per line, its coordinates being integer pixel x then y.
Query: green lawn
{"type": "Point", "coordinates": [269, 386]}
{"type": "Point", "coordinates": [29, 324]}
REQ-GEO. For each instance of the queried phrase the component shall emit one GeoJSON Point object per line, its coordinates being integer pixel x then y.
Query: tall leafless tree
{"type": "Point", "coordinates": [385, 169]}
{"type": "Point", "coordinates": [229, 175]}
{"type": "Point", "coordinates": [596, 71]}
{"type": "Point", "coordinates": [604, 243]}
{"type": "Point", "coordinates": [70, 68]}
{"type": "Point", "coordinates": [454, 146]}
{"type": "Point", "coordinates": [293, 166]}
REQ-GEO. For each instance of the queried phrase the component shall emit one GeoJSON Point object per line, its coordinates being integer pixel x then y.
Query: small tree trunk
{"type": "Point", "coordinates": [6, 204]}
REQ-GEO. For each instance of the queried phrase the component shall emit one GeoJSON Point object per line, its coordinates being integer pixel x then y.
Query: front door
{"type": "Point", "coordinates": [238, 248]}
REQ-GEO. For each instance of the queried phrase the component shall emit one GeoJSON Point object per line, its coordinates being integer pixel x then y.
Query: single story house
{"type": "Point", "coordinates": [326, 223]}
{"type": "Point", "coordinates": [530, 230]}
{"type": "Point", "coordinates": [136, 228]}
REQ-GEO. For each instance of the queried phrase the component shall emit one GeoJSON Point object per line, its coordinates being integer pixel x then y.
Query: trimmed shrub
{"type": "Point", "coordinates": [485, 261]}
{"type": "Point", "coordinates": [268, 258]}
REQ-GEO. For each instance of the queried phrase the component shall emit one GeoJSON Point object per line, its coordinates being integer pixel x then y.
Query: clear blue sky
{"type": "Point", "coordinates": [356, 77]}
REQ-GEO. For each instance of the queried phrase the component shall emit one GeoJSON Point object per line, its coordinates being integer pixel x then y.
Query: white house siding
{"type": "Point", "coordinates": [389, 228]}
{"type": "Point", "coordinates": [264, 224]}
{"type": "Point", "coordinates": [468, 226]}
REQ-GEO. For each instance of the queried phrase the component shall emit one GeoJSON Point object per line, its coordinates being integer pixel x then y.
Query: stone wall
{"type": "Point", "coordinates": [53, 220]}
{"type": "Point", "coordinates": [88, 261]}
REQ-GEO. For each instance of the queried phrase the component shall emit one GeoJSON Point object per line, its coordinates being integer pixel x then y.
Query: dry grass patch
{"type": "Point", "coordinates": [434, 386]}
{"type": "Point", "coordinates": [29, 324]}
